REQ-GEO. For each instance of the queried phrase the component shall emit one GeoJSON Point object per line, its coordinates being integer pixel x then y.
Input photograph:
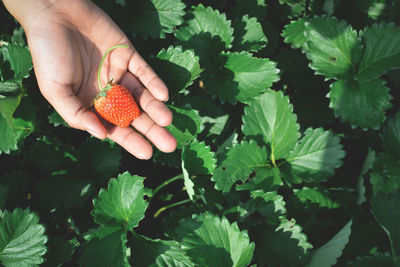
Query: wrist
{"type": "Point", "coordinates": [25, 11]}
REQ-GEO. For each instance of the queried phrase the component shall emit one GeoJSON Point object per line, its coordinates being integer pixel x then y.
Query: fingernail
{"type": "Point", "coordinates": [95, 134]}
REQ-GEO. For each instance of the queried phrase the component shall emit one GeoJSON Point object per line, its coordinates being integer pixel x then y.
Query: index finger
{"type": "Point", "coordinates": [139, 67]}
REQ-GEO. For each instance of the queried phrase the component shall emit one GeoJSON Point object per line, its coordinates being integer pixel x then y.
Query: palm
{"type": "Point", "coordinates": [66, 60]}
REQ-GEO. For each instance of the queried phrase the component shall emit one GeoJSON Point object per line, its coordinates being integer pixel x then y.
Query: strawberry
{"type": "Point", "coordinates": [114, 102]}
{"type": "Point", "coordinates": [116, 105]}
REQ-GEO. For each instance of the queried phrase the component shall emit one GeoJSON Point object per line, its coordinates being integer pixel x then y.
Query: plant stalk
{"type": "Point", "coordinates": [102, 61]}
{"type": "Point", "coordinates": [167, 182]}
{"type": "Point", "coordinates": [158, 212]}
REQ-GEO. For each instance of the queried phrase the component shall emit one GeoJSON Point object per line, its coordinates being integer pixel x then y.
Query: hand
{"type": "Point", "coordinates": [67, 40]}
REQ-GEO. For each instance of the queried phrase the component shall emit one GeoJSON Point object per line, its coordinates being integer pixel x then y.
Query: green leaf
{"type": "Point", "coordinates": [189, 185]}
{"type": "Point", "coordinates": [270, 205]}
{"type": "Point", "coordinates": [296, 7]}
{"type": "Point", "coordinates": [385, 177]}
{"type": "Point", "coordinates": [329, 6]}
{"type": "Point", "coordinates": [270, 118]}
{"type": "Point", "coordinates": [22, 239]}
{"type": "Point", "coordinates": [391, 136]}
{"type": "Point", "coordinates": [184, 65]}
{"type": "Point", "coordinates": [328, 254]}
{"type": "Point", "coordinates": [375, 260]}
{"type": "Point", "coordinates": [198, 158]}
{"type": "Point", "coordinates": [295, 33]}
{"type": "Point", "coordinates": [215, 117]}
{"type": "Point", "coordinates": [9, 87]}
{"type": "Point", "coordinates": [236, 167]}
{"type": "Point", "coordinates": [243, 78]}
{"type": "Point", "coordinates": [249, 35]}
{"type": "Point", "coordinates": [17, 116]}
{"type": "Point", "coordinates": [317, 196]}
{"type": "Point", "coordinates": [121, 2]}
{"type": "Point", "coordinates": [270, 182]}
{"type": "Point", "coordinates": [333, 47]}
{"type": "Point", "coordinates": [104, 250]}
{"type": "Point", "coordinates": [24, 118]}
{"type": "Point", "coordinates": [7, 142]}
{"type": "Point", "coordinates": [315, 157]}
{"type": "Point", "coordinates": [381, 51]}
{"type": "Point", "coordinates": [153, 18]}
{"type": "Point", "coordinates": [229, 142]}
{"type": "Point", "coordinates": [386, 209]}
{"type": "Point", "coordinates": [51, 154]}
{"type": "Point", "coordinates": [60, 250]}
{"type": "Point", "coordinates": [18, 36]}
{"type": "Point", "coordinates": [362, 104]}
{"type": "Point", "coordinates": [207, 32]}
{"type": "Point", "coordinates": [206, 20]}
{"type": "Point", "coordinates": [376, 9]}
{"type": "Point", "coordinates": [284, 245]}
{"type": "Point", "coordinates": [122, 204]}
{"type": "Point", "coordinates": [8, 105]}
{"type": "Point", "coordinates": [20, 60]}
{"type": "Point", "coordinates": [367, 165]}
{"type": "Point", "coordinates": [215, 128]}
{"type": "Point", "coordinates": [57, 120]}
{"type": "Point", "coordinates": [185, 125]}
{"type": "Point", "coordinates": [296, 232]}
{"type": "Point", "coordinates": [211, 241]}
{"type": "Point", "coordinates": [157, 253]}
{"type": "Point", "coordinates": [98, 160]}
{"type": "Point", "coordinates": [72, 192]}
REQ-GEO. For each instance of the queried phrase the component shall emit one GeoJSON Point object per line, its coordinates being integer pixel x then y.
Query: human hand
{"type": "Point", "coordinates": [67, 40]}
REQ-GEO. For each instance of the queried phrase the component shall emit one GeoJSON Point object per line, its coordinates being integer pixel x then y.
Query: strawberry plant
{"type": "Point", "coordinates": [287, 120]}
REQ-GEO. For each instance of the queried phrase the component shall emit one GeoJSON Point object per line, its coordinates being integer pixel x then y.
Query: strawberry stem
{"type": "Point", "coordinates": [102, 61]}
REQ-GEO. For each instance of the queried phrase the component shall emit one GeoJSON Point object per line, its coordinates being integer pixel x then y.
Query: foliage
{"type": "Point", "coordinates": [287, 117]}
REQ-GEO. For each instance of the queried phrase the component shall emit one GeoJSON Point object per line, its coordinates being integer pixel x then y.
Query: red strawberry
{"type": "Point", "coordinates": [114, 102]}
{"type": "Point", "coordinates": [116, 105]}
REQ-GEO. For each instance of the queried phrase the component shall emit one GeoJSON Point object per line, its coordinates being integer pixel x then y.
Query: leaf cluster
{"type": "Point", "coordinates": [287, 119]}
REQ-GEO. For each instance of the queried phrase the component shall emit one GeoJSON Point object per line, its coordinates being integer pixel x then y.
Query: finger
{"type": "Point", "coordinates": [157, 110]}
{"type": "Point", "coordinates": [158, 135]}
{"type": "Point", "coordinates": [131, 141]}
{"type": "Point", "coordinates": [73, 111]}
{"type": "Point", "coordinates": [138, 66]}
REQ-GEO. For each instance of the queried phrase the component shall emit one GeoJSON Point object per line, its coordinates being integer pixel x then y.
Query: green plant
{"type": "Point", "coordinates": [287, 119]}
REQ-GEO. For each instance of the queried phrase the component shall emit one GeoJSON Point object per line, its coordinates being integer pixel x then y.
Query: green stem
{"type": "Point", "coordinates": [167, 182]}
{"type": "Point", "coordinates": [171, 206]}
{"type": "Point", "coordinates": [273, 156]}
{"type": "Point", "coordinates": [23, 128]}
{"type": "Point", "coordinates": [102, 61]}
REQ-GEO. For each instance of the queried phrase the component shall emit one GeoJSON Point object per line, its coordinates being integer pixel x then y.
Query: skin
{"type": "Point", "coordinates": [67, 40]}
